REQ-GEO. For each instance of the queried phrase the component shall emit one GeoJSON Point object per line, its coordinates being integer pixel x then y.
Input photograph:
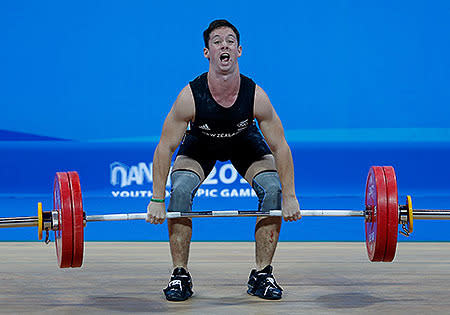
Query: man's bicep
{"type": "Point", "coordinates": [177, 120]}
{"type": "Point", "coordinates": [273, 132]}
{"type": "Point", "coordinates": [268, 120]}
{"type": "Point", "coordinates": [172, 132]}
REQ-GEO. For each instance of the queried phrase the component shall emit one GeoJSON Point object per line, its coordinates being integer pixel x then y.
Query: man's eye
{"type": "Point", "coordinates": [217, 42]}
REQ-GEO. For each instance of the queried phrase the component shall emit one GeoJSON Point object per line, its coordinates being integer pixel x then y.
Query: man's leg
{"type": "Point", "coordinates": [261, 175]}
{"type": "Point", "coordinates": [264, 179]}
{"type": "Point", "coordinates": [187, 174]}
{"type": "Point", "coordinates": [267, 229]}
{"type": "Point", "coordinates": [180, 232]}
{"type": "Point", "coordinates": [186, 178]}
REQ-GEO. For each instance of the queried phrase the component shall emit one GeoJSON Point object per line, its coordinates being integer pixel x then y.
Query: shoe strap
{"type": "Point", "coordinates": [270, 281]}
{"type": "Point", "coordinates": [174, 283]}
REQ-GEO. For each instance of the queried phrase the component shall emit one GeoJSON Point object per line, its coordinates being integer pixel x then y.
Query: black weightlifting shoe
{"type": "Point", "coordinates": [180, 286]}
{"type": "Point", "coordinates": [263, 284]}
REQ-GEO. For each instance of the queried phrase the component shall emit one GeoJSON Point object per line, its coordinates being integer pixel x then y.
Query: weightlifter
{"type": "Point", "coordinates": [220, 108]}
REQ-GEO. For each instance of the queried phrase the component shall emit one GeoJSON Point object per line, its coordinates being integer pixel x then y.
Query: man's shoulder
{"type": "Point", "coordinates": [200, 78]}
{"type": "Point", "coordinates": [247, 80]}
{"type": "Point", "coordinates": [245, 77]}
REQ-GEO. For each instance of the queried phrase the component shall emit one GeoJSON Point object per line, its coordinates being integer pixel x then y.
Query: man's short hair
{"type": "Point", "coordinates": [216, 24]}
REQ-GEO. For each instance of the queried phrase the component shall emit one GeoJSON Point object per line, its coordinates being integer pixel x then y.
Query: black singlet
{"type": "Point", "coordinates": [220, 133]}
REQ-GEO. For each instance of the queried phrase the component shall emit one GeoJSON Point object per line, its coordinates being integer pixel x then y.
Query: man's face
{"type": "Point", "coordinates": [223, 49]}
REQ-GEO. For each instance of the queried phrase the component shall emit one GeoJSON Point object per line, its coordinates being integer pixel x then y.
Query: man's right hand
{"type": "Point", "coordinates": [156, 212]}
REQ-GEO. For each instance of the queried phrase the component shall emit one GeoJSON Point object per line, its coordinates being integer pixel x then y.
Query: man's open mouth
{"type": "Point", "coordinates": [225, 57]}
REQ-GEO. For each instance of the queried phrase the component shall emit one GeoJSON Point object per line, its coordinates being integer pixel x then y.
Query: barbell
{"type": "Point", "coordinates": [382, 215]}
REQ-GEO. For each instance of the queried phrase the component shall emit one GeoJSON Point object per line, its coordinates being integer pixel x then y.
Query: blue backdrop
{"type": "Point", "coordinates": [86, 86]}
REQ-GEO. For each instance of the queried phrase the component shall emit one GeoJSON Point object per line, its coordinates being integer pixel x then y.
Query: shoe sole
{"type": "Point", "coordinates": [265, 298]}
{"type": "Point", "coordinates": [176, 300]}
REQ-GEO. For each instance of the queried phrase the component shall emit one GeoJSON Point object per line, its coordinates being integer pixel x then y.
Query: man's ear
{"type": "Point", "coordinates": [206, 52]}
{"type": "Point", "coordinates": [239, 50]}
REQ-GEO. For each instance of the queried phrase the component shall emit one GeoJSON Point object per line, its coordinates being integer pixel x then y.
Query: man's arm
{"type": "Point", "coordinates": [175, 124]}
{"type": "Point", "coordinates": [273, 132]}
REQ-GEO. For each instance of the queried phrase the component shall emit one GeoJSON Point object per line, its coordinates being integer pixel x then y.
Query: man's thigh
{"type": "Point", "coordinates": [184, 162]}
{"type": "Point", "coordinates": [266, 163]}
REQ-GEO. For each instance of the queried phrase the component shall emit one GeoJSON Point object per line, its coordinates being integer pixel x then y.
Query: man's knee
{"type": "Point", "coordinates": [184, 186]}
{"type": "Point", "coordinates": [268, 189]}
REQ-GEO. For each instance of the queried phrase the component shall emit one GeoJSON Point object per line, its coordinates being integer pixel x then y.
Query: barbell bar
{"type": "Point", "coordinates": [32, 221]}
{"type": "Point", "coordinates": [382, 216]}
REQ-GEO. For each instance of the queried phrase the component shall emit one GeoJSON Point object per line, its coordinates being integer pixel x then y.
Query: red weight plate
{"type": "Point", "coordinates": [392, 207]}
{"type": "Point", "coordinates": [77, 216]}
{"type": "Point", "coordinates": [376, 205]}
{"type": "Point", "coordinates": [63, 236]}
